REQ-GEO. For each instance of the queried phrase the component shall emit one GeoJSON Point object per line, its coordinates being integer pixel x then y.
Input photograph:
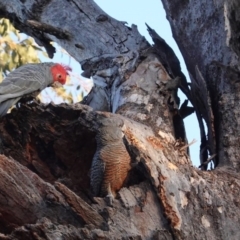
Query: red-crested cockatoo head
{"type": "Point", "coordinates": [60, 73]}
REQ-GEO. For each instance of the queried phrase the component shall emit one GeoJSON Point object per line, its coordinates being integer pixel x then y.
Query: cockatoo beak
{"type": "Point", "coordinates": [57, 85]}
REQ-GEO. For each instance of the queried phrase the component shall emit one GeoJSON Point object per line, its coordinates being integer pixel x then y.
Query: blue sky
{"type": "Point", "coordinates": [139, 13]}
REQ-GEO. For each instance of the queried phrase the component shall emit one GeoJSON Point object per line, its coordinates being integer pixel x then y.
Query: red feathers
{"type": "Point", "coordinates": [60, 72]}
{"type": "Point", "coordinates": [66, 67]}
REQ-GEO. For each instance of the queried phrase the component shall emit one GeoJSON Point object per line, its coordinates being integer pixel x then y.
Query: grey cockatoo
{"type": "Point", "coordinates": [28, 79]}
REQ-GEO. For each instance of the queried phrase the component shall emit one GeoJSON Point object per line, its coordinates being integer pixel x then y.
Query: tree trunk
{"type": "Point", "coordinates": [46, 166]}
{"type": "Point", "coordinates": [210, 47]}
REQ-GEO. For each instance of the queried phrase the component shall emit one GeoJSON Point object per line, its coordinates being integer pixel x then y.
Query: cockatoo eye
{"type": "Point", "coordinates": [59, 76]}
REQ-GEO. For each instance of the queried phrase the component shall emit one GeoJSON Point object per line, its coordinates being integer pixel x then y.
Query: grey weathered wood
{"type": "Point", "coordinates": [209, 42]}
{"type": "Point", "coordinates": [93, 34]}
{"type": "Point", "coordinates": [44, 177]}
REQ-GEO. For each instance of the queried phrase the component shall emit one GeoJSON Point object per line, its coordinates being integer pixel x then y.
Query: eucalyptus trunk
{"type": "Point", "coordinates": [47, 151]}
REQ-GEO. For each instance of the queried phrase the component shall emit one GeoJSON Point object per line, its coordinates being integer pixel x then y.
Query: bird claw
{"type": "Point", "coordinates": [28, 101]}
{"type": "Point", "coordinates": [35, 100]}
{"type": "Point", "coordinates": [109, 200]}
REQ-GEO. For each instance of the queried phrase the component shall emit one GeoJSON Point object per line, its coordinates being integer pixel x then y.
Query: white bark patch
{"type": "Point", "coordinates": [192, 180]}
{"type": "Point", "coordinates": [205, 222]}
{"type": "Point", "coordinates": [227, 24]}
{"type": "Point", "coordinates": [168, 137]}
{"type": "Point", "coordinates": [183, 198]}
{"type": "Point", "coordinates": [172, 166]}
{"type": "Point", "coordinates": [139, 99]}
{"type": "Point", "coordinates": [141, 116]}
{"type": "Point", "coordinates": [166, 113]}
{"type": "Point", "coordinates": [220, 209]}
{"type": "Point", "coordinates": [149, 107]}
{"type": "Point", "coordinates": [159, 121]}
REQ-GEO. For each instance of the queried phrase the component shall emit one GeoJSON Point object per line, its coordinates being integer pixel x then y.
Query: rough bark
{"type": "Point", "coordinates": [48, 150]}
{"type": "Point", "coordinates": [210, 48]}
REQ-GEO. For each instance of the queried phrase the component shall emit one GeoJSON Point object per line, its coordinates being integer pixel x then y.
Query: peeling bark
{"type": "Point", "coordinates": [48, 150]}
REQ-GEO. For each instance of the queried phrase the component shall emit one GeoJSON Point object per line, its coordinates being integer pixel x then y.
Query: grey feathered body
{"type": "Point", "coordinates": [22, 81]}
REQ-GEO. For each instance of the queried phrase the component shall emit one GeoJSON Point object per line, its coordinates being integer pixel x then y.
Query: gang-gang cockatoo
{"type": "Point", "coordinates": [30, 79]}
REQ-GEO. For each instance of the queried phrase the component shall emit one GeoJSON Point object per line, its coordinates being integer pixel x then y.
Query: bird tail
{"type": "Point", "coordinates": [4, 106]}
